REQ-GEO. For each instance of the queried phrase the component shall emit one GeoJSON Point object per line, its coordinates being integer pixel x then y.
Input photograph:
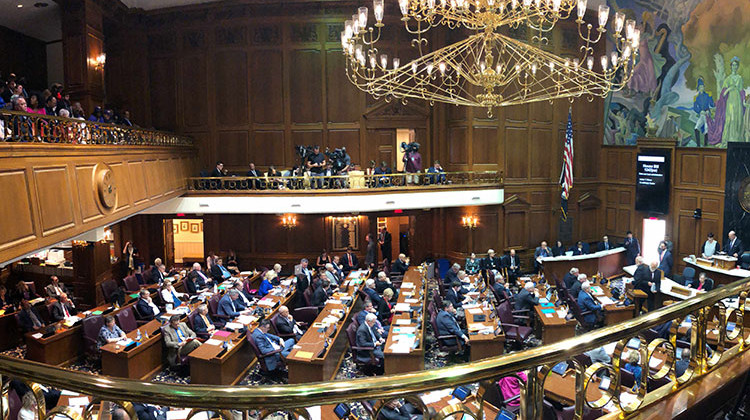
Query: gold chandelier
{"type": "Point", "coordinates": [488, 68]}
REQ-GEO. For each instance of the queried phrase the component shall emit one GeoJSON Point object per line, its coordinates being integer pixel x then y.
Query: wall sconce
{"type": "Point", "coordinates": [469, 222]}
{"type": "Point", "coordinates": [98, 61]}
{"type": "Point", "coordinates": [289, 221]}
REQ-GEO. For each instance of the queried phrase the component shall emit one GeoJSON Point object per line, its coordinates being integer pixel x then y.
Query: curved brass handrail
{"type": "Point", "coordinates": [285, 397]}
{"type": "Point", "coordinates": [24, 127]}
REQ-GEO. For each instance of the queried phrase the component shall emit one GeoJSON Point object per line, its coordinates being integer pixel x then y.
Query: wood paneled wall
{"type": "Point", "coordinates": [51, 195]}
{"type": "Point", "coordinates": [24, 56]}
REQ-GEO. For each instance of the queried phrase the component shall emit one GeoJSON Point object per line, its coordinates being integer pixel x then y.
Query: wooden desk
{"type": "Point", "coordinates": [609, 263]}
{"type": "Point", "coordinates": [484, 345]}
{"type": "Point", "coordinates": [563, 388]}
{"type": "Point", "coordinates": [413, 360]}
{"type": "Point", "coordinates": [719, 276]}
{"type": "Point", "coordinates": [613, 314]}
{"type": "Point", "coordinates": [140, 362]}
{"type": "Point", "coordinates": [554, 328]}
{"type": "Point", "coordinates": [310, 360]}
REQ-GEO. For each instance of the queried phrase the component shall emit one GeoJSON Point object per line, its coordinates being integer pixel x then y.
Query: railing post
{"type": "Point", "coordinates": [531, 396]}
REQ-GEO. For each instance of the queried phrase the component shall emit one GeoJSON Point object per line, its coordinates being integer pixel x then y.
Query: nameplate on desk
{"type": "Point", "coordinates": [37, 336]}
{"type": "Point", "coordinates": [407, 285]}
{"type": "Point", "coordinates": [304, 355]}
{"type": "Point", "coordinates": [266, 302]}
{"type": "Point", "coordinates": [683, 291]}
{"type": "Point", "coordinates": [403, 321]}
{"type": "Point", "coordinates": [411, 300]}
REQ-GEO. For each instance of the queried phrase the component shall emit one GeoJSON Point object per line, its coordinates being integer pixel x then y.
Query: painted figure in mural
{"type": "Point", "coordinates": [727, 123]}
{"type": "Point", "coordinates": [702, 105]}
{"type": "Point", "coordinates": [746, 123]}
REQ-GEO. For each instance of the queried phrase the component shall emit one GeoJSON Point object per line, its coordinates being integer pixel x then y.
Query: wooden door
{"type": "Point", "coordinates": [168, 229]}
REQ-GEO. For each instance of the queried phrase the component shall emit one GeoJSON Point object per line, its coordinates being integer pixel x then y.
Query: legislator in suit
{"type": "Point", "coordinates": [455, 294]}
{"type": "Point", "coordinates": [202, 322]}
{"type": "Point", "coordinates": [447, 325]}
{"type": "Point", "coordinates": [269, 343]}
{"type": "Point", "coordinates": [489, 263]}
{"type": "Point", "coordinates": [570, 279]}
{"type": "Point", "coordinates": [29, 318]}
{"type": "Point", "coordinates": [587, 304]}
{"type": "Point", "coordinates": [368, 336]}
{"type": "Point", "coordinates": [200, 278]}
{"type": "Point", "coordinates": [146, 307]}
{"type": "Point", "coordinates": [526, 300]}
{"type": "Point", "coordinates": [349, 261]}
{"type": "Point", "coordinates": [641, 279]}
{"type": "Point", "coordinates": [632, 248]}
{"type": "Point", "coordinates": [179, 340]}
{"type": "Point", "coordinates": [605, 245]}
{"type": "Point", "coordinates": [733, 247]}
{"type": "Point", "coordinates": [542, 251]}
{"type": "Point", "coordinates": [400, 265]}
{"type": "Point", "coordinates": [513, 265]}
{"type": "Point", "coordinates": [61, 310]}
{"type": "Point", "coordinates": [231, 304]}
{"type": "Point", "coordinates": [285, 325]}
{"type": "Point", "coordinates": [320, 295]}
{"type": "Point", "coordinates": [665, 259]}
{"type": "Point", "coordinates": [385, 240]}
{"type": "Point", "coordinates": [55, 288]}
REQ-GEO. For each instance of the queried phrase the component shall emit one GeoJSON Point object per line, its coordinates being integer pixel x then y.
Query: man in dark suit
{"type": "Point", "coordinates": [286, 325]}
{"type": "Point", "coordinates": [385, 240]}
{"type": "Point", "coordinates": [349, 261]}
{"type": "Point", "coordinates": [202, 322]}
{"type": "Point", "coordinates": [489, 263]}
{"type": "Point", "coordinates": [455, 294]}
{"type": "Point", "coordinates": [320, 296]}
{"type": "Point", "coordinates": [55, 288]}
{"type": "Point", "coordinates": [371, 256]}
{"type": "Point", "coordinates": [513, 265]}
{"type": "Point", "coordinates": [605, 245]}
{"type": "Point", "coordinates": [254, 173]}
{"type": "Point", "coordinates": [647, 280]}
{"type": "Point", "coordinates": [231, 304]}
{"type": "Point", "coordinates": [269, 343]}
{"type": "Point", "coordinates": [632, 248]}
{"type": "Point", "coordinates": [570, 278]}
{"type": "Point", "coordinates": [372, 292]}
{"type": "Point", "coordinates": [146, 307]}
{"type": "Point", "coordinates": [575, 288]}
{"type": "Point", "coordinates": [527, 298]}
{"type": "Point", "coordinates": [400, 265]}
{"type": "Point", "coordinates": [63, 308]}
{"type": "Point", "coordinates": [368, 308]}
{"type": "Point", "coordinates": [452, 275]}
{"type": "Point", "coordinates": [29, 318]}
{"type": "Point", "coordinates": [683, 363]}
{"type": "Point", "coordinates": [200, 278]}
{"type": "Point", "coordinates": [398, 410]}
{"type": "Point", "coordinates": [733, 247]}
{"type": "Point", "coordinates": [665, 259]}
{"type": "Point", "coordinates": [382, 282]}
{"type": "Point", "coordinates": [586, 304]}
{"type": "Point", "coordinates": [218, 170]}
{"type": "Point", "coordinates": [158, 273]}
{"type": "Point", "coordinates": [578, 249]}
{"type": "Point", "coordinates": [499, 286]}
{"type": "Point", "coordinates": [368, 336]}
{"type": "Point", "coordinates": [447, 325]}
{"type": "Point", "coordinates": [542, 251]}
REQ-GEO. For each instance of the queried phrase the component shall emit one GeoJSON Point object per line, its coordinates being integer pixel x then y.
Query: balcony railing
{"type": "Point", "coordinates": [727, 303]}
{"type": "Point", "coordinates": [23, 127]}
{"type": "Point", "coordinates": [345, 182]}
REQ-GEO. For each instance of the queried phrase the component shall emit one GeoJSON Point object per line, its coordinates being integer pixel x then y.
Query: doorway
{"type": "Point", "coordinates": [188, 240]}
{"type": "Point", "coordinates": [398, 227]}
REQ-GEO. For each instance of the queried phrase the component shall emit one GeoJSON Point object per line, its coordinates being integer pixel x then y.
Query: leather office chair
{"type": "Point", "coordinates": [147, 275]}
{"type": "Point", "coordinates": [131, 284]}
{"type": "Point", "coordinates": [274, 319]}
{"type": "Point", "coordinates": [31, 286]}
{"type": "Point", "coordinates": [688, 276]}
{"type": "Point", "coordinates": [369, 367]}
{"type": "Point", "coordinates": [213, 310]}
{"type": "Point", "coordinates": [182, 362]}
{"type": "Point", "coordinates": [308, 296]}
{"type": "Point", "coordinates": [126, 319]}
{"type": "Point", "coordinates": [108, 287]}
{"type": "Point", "coordinates": [306, 314]}
{"type": "Point", "coordinates": [579, 315]}
{"type": "Point", "coordinates": [455, 348]}
{"type": "Point", "coordinates": [494, 396]}
{"type": "Point", "coordinates": [745, 261]}
{"type": "Point", "coordinates": [91, 327]}
{"type": "Point", "coordinates": [514, 333]}
{"type": "Point", "coordinates": [263, 367]}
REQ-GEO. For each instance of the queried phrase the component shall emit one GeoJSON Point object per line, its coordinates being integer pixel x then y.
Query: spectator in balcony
{"type": "Point", "coordinates": [108, 116]}
{"type": "Point", "coordinates": [316, 163]}
{"type": "Point", "coordinates": [412, 163]}
{"type": "Point", "coordinates": [96, 116]}
{"type": "Point", "coordinates": [64, 113]}
{"type": "Point", "coordinates": [35, 105]}
{"type": "Point", "coordinates": [218, 170]}
{"type": "Point", "coordinates": [51, 106]}
{"type": "Point", "coordinates": [77, 111]}
{"type": "Point", "coordinates": [125, 118]}
{"type": "Point", "coordinates": [254, 173]}
{"type": "Point", "coordinates": [383, 169]}
{"type": "Point", "coordinates": [19, 104]}
{"type": "Point", "coordinates": [63, 102]}
{"type": "Point", "coordinates": [437, 174]}
{"type": "Point", "coordinates": [273, 182]}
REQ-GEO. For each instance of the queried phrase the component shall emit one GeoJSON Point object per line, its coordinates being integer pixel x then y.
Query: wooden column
{"type": "Point", "coordinates": [83, 42]}
{"type": "Point", "coordinates": [91, 267]}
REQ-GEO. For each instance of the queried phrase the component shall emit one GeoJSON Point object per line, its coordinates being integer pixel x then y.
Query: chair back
{"type": "Point", "coordinates": [688, 275]}
{"type": "Point", "coordinates": [191, 319]}
{"type": "Point", "coordinates": [493, 395]}
{"type": "Point", "coordinates": [31, 286]}
{"type": "Point", "coordinates": [258, 354]}
{"type": "Point", "coordinates": [147, 274]}
{"type": "Point", "coordinates": [443, 265]}
{"type": "Point", "coordinates": [91, 327]}
{"type": "Point", "coordinates": [438, 301]}
{"type": "Point", "coordinates": [126, 319]}
{"type": "Point", "coordinates": [745, 261]}
{"type": "Point", "coordinates": [131, 284]}
{"type": "Point", "coordinates": [351, 335]}
{"type": "Point", "coordinates": [213, 305]}
{"type": "Point", "coordinates": [583, 359]}
{"type": "Point", "coordinates": [109, 286]}
{"type": "Point", "coordinates": [308, 296]}
{"type": "Point", "coordinates": [626, 378]}
{"type": "Point", "coordinates": [577, 314]}
{"type": "Point", "coordinates": [48, 313]}
{"type": "Point", "coordinates": [386, 267]}
{"type": "Point", "coordinates": [505, 313]}
{"type": "Point", "coordinates": [306, 314]}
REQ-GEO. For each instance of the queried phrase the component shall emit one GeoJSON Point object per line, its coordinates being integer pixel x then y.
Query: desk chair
{"type": "Point", "coordinates": [31, 286]}
{"type": "Point", "coordinates": [514, 333]}
{"type": "Point", "coordinates": [126, 319]}
{"type": "Point", "coordinates": [274, 319]}
{"type": "Point", "coordinates": [370, 367]}
{"type": "Point", "coordinates": [108, 287]}
{"type": "Point", "coordinates": [263, 367]}
{"type": "Point", "coordinates": [579, 316]}
{"type": "Point", "coordinates": [494, 396]}
{"type": "Point", "coordinates": [745, 261]}
{"type": "Point", "coordinates": [306, 314]}
{"type": "Point", "coordinates": [131, 284]}
{"type": "Point", "coordinates": [213, 310]}
{"type": "Point", "coordinates": [91, 327]}
{"type": "Point", "coordinates": [688, 276]}
{"type": "Point", "coordinates": [453, 349]}
{"type": "Point", "coordinates": [181, 362]}
{"type": "Point", "coordinates": [307, 295]}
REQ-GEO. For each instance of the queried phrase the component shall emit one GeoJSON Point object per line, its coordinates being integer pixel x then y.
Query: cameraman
{"type": "Point", "coordinates": [412, 161]}
{"type": "Point", "coordinates": [316, 163]}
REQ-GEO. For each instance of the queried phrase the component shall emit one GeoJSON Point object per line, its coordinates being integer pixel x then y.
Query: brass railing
{"type": "Point", "coordinates": [345, 182]}
{"type": "Point", "coordinates": [23, 127]}
{"type": "Point", "coordinates": [538, 362]}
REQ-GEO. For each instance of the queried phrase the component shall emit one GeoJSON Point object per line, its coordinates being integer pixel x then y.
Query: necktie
{"type": "Point", "coordinates": [58, 292]}
{"type": "Point", "coordinates": [350, 260]}
{"type": "Point", "coordinates": [234, 309]}
{"type": "Point", "coordinates": [374, 340]}
{"type": "Point", "coordinates": [205, 321]}
{"type": "Point", "coordinates": [65, 310]}
{"type": "Point", "coordinates": [180, 338]}
{"type": "Point", "coordinates": [661, 256]}
{"type": "Point", "coordinates": [34, 320]}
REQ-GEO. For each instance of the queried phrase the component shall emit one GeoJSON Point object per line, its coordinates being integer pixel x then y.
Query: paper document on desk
{"type": "Point", "coordinates": [35, 301]}
{"type": "Point", "coordinates": [610, 348]}
{"type": "Point", "coordinates": [411, 300]}
{"type": "Point", "coordinates": [407, 285]}
{"type": "Point", "coordinates": [562, 313]}
{"type": "Point", "coordinates": [475, 326]}
{"type": "Point", "coordinates": [405, 330]}
{"type": "Point", "coordinates": [69, 393]}
{"type": "Point", "coordinates": [402, 307]}
{"type": "Point", "coordinates": [604, 300]}
{"type": "Point", "coordinates": [596, 291]}
{"type": "Point", "coordinates": [266, 302]}
{"type": "Point", "coordinates": [435, 396]}
{"type": "Point", "coordinates": [475, 311]}
{"type": "Point", "coordinates": [78, 401]}
{"type": "Point", "coordinates": [213, 342]}
{"type": "Point", "coordinates": [125, 342]}
{"type": "Point", "coordinates": [336, 301]}
{"type": "Point", "coordinates": [400, 347]}
{"type": "Point", "coordinates": [37, 335]}
{"type": "Point", "coordinates": [305, 355]}
{"type": "Point", "coordinates": [315, 413]}
{"type": "Point", "coordinates": [233, 326]}
{"type": "Point", "coordinates": [470, 306]}
{"type": "Point", "coordinates": [627, 398]}
{"type": "Point", "coordinates": [543, 300]}
{"type": "Point", "coordinates": [403, 321]}
{"type": "Point", "coordinates": [654, 362]}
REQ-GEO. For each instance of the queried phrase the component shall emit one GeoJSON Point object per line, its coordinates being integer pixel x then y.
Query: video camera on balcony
{"type": "Point", "coordinates": [409, 147]}
{"type": "Point", "coordinates": [337, 157]}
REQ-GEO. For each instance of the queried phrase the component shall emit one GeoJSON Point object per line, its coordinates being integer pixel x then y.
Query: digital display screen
{"type": "Point", "coordinates": [652, 182]}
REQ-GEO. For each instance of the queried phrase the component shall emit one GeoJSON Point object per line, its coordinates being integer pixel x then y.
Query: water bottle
{"type": "Point", "coordinates": [145, 335]}
{"type": "Point", "coordinates": [138, 336]}
{"type": "Point", "coordinates": [216, 288]}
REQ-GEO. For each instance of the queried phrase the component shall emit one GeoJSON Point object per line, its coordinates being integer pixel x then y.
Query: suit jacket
{"type": "Point", "coordinates": [450, 277]}
{"type": "Point", "coordinates": [456, 298]}
{"type": "Point", "coordinates": [707, 285]}
{"type": "Point", "coordinates": [569, 279]}
{"type": "Point", "coordinates": [57, 311]}
{"type": "Point", "coordinates": [373, 295]}
{"type": "Point", "coordinates": [447, 325]}
{"type": "Point", "coordinates": [372, 253]}
{"type": "Point", "coordinates": [515, 262]}
{"type": "Point", "coordinates": [500, 290]}
{"type": "Point", "coordinates": [381, 285]}
{"type": "Point", "coordinates": [632, 249]}
{"type": "Point", "coordinates": [586, 303]}
{"type": "Point", "coordinates": [190, 285]}
{"type": "Point", "coordinates": [200, 325]}
{"type": "Point", "coordinates": [285, 326]}
{"type": "Point", "coordinates": [147, 313]}
{"type": "Point", "coordinates": [230, 308]}
{"type": "Point", "coordinates": [647, 276]}
{"type": "Point", "coordinates": [665, 262]}
{"type": "Point", "coordinates": [364, 339]}
{"type": "Point", "coordinates": [157, 276]}
{"type": "Point", "coordinates": [333, 277]}
{"type": "Point", "coordinates": [216, 274]}
{"type": "Point", "coordinates": [172, 342]}
{"type": "Point", "coordinates": [539, 252]}
{"type": "Point", "coordinates": [488, 264]}
{"type": "Point", "coordinates": [578, 251]}
{"type": "Point", "coordinates": [526, 300]}
{"type": "Point", "coordinates": [735, 247]}
{"type": "Point", "coordinates": [263, 342]}
{"type": "Point", "coordinates": [349, 266]}
{"type": "Point", "coordinates": [25, 320]}
{"type": "Point", "coordinates": [307, 273]}
{"type": "Point", "coordinates": [574, 289]}
{"type": "Point", "coordinates": [319, 297]}
{"type": "Point", "coordinates": [400, 413]}
{"type": "Point", "coordinates": [216, 173]}
{"type": "Point", "coordinates": [605, 246]}
{"type": "Point", "coordinates": [641, 277]}
{"type": "Point", "coordinates": [399, 267]}
{"type": "Point", "coordinates": [50, 290]}
{"type": "Point", "coordinates": [198, 278]}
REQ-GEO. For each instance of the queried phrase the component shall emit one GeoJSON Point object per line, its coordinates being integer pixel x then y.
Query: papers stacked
{"type": "Point", "coordinates": [125, 342]}
{"type": "Point", "coordinates": [246, 319]}
{"type": "Point", "coordinates": [267, 302]}
{"type": "Point", "coordinates": [435, 396]}
{"type": "Point", "coordinates": [654, 362]}
{"type": "Point", "coordinates": [407, 285]}
{"type": "Point", "coordinates": [78, 401]}
{"type": "Point", "coordinates": [403, 321]}
{"type": "Point", "coordinates": [402, 307]}
{"type": "Point", "coordinates": [233, 326]}
{"type": "Point", "coordinates": [404, 330]}
{"type": "Point", "coordinates": [604, 300]}
{"type": "Point", "coordinates": [213, 342]}
{"type": "Point", "coordinates": [402, 343]}
{"type": "Point", "coordinates": [597, 291]}
{"type": "Point", "coordinates": [411, 300]}
{"type": "Point", "coordinates": [475, 311]}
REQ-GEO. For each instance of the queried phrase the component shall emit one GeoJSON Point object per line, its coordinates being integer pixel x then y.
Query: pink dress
{"type": "Point", "coordinates": [510, 386]}
{"type": "Point", "coordinates": [39, 111]}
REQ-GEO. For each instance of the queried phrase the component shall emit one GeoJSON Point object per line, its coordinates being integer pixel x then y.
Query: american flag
{"type": "Point", "coordinates": [566, 176]}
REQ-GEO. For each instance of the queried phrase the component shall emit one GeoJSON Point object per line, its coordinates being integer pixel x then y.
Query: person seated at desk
{"type": "Point", "coordinates": [321, 294]}
{"type": "Point", "coordinates": [63, 308]}
{"type": "Point", "coordinates": [733, 246]}
{"type": "Point", "coordinates": [399, 410]}
{"type": "Point", "coordinates": [269, 343]}
{"type": "Point", "coordinates": [29, 318]}
{"type": "Point", "coordinates": [605, 245]}
{"type": "Point", "coordinates": [385, 308]}
{"type": "Point", "coordinates": [371, 291]}
{"type": "Point", "coordinates": [455, 294]}
{"type": "Point", "coordinates": [665, 259]}
{"type": "Point", "coordinates": [452, 274]}
{"type": "Point", "coordinates": [199, 277]}
{"type": "Point", "coordinates": [23, 292]}
{"type": "Point", "coordinates": [558, 249]}
{"type": "Point", "coordinates": [711, 247]}
{"type": "Point", "coordinates": [513, 265]}
{"type": "Point", "coordinates": [192, 285]}
{"type": "Point", "coordinates": [369, 336]}
{"type": "Point", "coordinates": [683, 363]}
{"type": "Point", "coordinates": [179, 340]}
{"type": "Point", "coordinates": [338, 267]}
{"type": "Point", "coordinates": [542, 251]}
{"type": "Point", "coordinates": [51, 395]}
{"type": "Point", "coordinates": [586, 303]}
{"type": "Point", "coordinates": [218, 271]}
{"type": "Point", "coordinates": [285, 324]}
{"type": "Point", "coordinates": [578, 249]}
{"type": "Point", "coordinates": [202, 322]}
{"type": "Point", "coordinates": [400, 266]}
{"type": "Point", "coordinates": [231, 305]}
{"type": "Point", "coordinates": [369, 308]}
{"type": "Point", "coordinates": [473, 264]}
{"type": "Point", "coordinates": [4, 300]}
{"type": "Point", "coordinates": [158, 274]}
{"type": "Point", "coordinates": [633, 366]}
{"type": "Point", "coordinates": [169, 294]}
{"type": "Point", "coordinates": [146, 306]}
{"type": "Point", "coordinates": [382, 282]}
{"type": "Point", "coordinates": [527, 298]}
{"type": "Point", "coordinates": [110, 332]}
{"type": "Point", "coordinates": [490, 263]}
{"type": "Point", "coordinates": [265, 284]}
{"type": "Point", "coordinates": [703, 283]}
{"type": "Point", "coordinates": [232, 265]}
{"type": "Point", "coordinates": [447, 325]}
{"type": "Point", "coordinates": [56, 288]}
{"type": "Point", "coordinates": [598, 355]}
{"type": "Point", "coordinates": [571, 278]}
{"type": "Point", "coordinates": [349, 261]}
{"type": "Point", "coordinates": [500, 288]}
{"type": "Point", "coordinates": [331, 274]}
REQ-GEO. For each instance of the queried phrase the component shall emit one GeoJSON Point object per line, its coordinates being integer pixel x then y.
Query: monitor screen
{"type": "Point", "coordinates": [652, 181]}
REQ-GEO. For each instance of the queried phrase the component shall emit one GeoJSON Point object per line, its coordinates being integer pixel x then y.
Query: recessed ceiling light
{"type": "Point", "coordinates": [20, 5]}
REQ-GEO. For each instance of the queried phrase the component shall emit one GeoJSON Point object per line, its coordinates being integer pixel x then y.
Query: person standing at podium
{"type": "Point", "coordinates": [733, 246]}
{"type": "Point", "coordinates": [632, 248]}
{"type": "Point", "coordinates": [711, 247]}
{"type": "Point", "coordinates": [665, 259]}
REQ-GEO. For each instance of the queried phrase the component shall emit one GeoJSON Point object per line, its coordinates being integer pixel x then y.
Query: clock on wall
{"type": "Point", "coordinates": [105, 187]}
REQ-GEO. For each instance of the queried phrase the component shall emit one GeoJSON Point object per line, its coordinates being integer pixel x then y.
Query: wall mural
{"type": "Point", "coordinates": [692, 79]}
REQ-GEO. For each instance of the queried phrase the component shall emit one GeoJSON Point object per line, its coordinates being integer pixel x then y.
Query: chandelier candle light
{"type": "Point", "coordinates": [489, 68]}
